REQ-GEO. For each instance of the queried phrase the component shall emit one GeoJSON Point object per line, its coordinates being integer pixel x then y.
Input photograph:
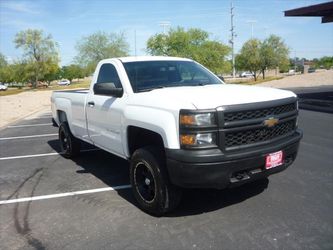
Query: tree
{"type": "Point", "coordinates": [11, 72]}
{"type": "Point", "coordinates": [53, 73]}
{"type": "Point", "coordinates": [3, 61]}
{"type": "Point", "coordinates": [39, 51]}
{"type": "Point", "coordinates": [98, 46]}
{"type": "Point", "coordinates": [3, 68]}
{"type": "Point", "coordinates": [249, 57]}
{"type": "Point", "coordinates": [324, 62]}
{"type": "Point", "coordinates": [72, 71]}
{"type": "Point", "coordinates": [15, 72]}
{"type": "Point", "coordinates": [273, 53]}
{"type": "Point", "coordinates": [257, 56]}
{"type": "Point", "coordinates": [194, 44]}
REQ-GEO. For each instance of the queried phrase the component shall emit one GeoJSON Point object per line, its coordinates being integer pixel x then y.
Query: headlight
{"type": "Point", "coordinates": [196, 120]}
{"type": "Point", "coordinates": [198, 140]}
{"type": "Point", "coordinates": [198, 129]}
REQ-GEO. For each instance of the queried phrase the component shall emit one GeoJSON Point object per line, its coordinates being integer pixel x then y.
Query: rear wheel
{"type": "Point", "coordinates": [150, 183]}
{"type": "Point", "coordinates": [69, 145]}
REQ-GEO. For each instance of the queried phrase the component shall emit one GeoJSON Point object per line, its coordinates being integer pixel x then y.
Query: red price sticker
{"type": "Point", "coordinates": [273, 160]}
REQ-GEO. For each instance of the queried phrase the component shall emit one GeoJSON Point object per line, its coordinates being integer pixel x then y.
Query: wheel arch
{"type": "Point", "coordinates": [138, 137]}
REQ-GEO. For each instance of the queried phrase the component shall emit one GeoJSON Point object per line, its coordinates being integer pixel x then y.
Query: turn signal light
{"type": "Point", "coordinates": [198, 140]}
{"type": "Point", "coordinates": [187, 120]}
{"type": "Point", "coordinates": [187, 140]}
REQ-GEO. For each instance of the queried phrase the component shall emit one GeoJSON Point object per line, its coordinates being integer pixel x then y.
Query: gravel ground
{"type": "Point", "coordinates": [302, 81]}
{"type": "Point", "coordinates": [18, 106]}
{"type": "Point", "coordinates": [15, 107]}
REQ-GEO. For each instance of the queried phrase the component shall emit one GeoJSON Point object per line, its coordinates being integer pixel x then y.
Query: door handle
{"type": "Point", "coordinates": [91, 104]}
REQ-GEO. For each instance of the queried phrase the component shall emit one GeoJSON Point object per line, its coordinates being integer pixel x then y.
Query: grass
{"type": "Point", "coordinates": [11, 91]}
{"type": "Point", "coordinates": [83, 84]}
{"type": "Point", "coordinates": [259, 80]}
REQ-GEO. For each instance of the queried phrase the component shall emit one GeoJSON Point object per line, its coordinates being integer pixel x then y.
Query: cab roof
{"type": "Point", "coordinates": [151, 58]}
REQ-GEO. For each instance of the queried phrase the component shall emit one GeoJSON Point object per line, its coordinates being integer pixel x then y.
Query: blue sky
{"type": "Point", "coordinates": [68, 21]}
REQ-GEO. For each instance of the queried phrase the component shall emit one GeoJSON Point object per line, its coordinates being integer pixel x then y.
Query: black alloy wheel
{"type": "Point", "coordinates": [144, 181]}
{"type": "Point", "coordinates": [150, 182]}
{"type": "Point", "coordinates": [69, 145]}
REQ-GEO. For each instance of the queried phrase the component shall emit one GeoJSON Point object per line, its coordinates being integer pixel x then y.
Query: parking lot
{"type": "Point", "coordinates": [49, 202]}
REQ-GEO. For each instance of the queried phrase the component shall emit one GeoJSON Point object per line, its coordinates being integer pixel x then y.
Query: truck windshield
{"type": "Point", "coordinates": [149, 75]}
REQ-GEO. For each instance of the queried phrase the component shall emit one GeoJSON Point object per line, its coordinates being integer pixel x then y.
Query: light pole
{"type": "Point", "coordinates": [165, 24]}
{"type": "Point", "coordinates": [252, 22]}
{"type": "Point", "coordinates": [134, 42]}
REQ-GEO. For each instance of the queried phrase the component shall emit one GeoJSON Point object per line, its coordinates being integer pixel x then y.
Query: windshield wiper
{"type": "Point", "coordinates": [150, 89]}
{"type": "Point", "coordinates": [203, 83]}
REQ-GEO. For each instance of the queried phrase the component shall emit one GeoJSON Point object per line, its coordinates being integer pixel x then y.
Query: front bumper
{"type": "Point", "coordinates": [212, 168]}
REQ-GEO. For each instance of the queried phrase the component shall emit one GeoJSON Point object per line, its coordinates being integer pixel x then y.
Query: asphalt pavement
{"type": "Point", "coordinates": [49, 202]}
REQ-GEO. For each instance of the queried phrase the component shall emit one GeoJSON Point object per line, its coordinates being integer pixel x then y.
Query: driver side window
{"type": "Point", "coordinates": [108, 73]}
{"type": "Point", "coordinates": [190, 73]}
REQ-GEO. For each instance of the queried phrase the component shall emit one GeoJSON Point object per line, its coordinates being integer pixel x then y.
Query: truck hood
{"type": "Point", "coordinates": [212, 96]}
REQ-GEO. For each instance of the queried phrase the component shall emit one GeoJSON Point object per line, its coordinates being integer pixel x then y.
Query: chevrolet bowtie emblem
{"type": "Point", "coordinates": [271, 122]}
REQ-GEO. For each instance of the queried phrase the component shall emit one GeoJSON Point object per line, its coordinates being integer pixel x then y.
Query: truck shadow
{"type": "Point", "coordinates": [114, 171]}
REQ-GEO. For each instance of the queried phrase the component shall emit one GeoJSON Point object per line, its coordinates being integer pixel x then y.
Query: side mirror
{"type": "Point", "coordinates": [108, 89]}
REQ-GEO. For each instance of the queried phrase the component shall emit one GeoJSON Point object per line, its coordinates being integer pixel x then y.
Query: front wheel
{"type": "Point", "coordinates": [150, 183]}
{"type": "Point", "coordinates": [69, 145]}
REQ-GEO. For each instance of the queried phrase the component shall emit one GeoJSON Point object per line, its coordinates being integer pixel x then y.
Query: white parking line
{"type": "Point", "coordinates": [27, 136]}
{"type": "Point", "coordinates": [30, 125]}
{"type": "Point", "coordinates": [42, 155]}
{"type": "Point", "coordinates": [52, 196]}
{"type": "Point", "coordinates": [37, 118]}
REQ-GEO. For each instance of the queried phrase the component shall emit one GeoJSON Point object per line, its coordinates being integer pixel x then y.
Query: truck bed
{"type": "Point", "coordinates": [79, 91]}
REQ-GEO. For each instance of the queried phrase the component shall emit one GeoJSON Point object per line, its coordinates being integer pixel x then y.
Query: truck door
{"type": "Point", "coordinates": [104, 113]}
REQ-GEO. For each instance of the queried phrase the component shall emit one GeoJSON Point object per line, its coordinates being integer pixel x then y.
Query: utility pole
{"type": "Point", "coordinates": [231, 41]}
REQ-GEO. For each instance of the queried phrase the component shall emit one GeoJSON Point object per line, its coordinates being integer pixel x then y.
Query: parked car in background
{"type": "Point", "coordinates": [221, 77]}
{"type": "Point", "coordinates": [64, 82]}
{"type": "Point", "coordinates": [246, 74]}
{"type": "Point", "coordinates": [38, 85]}
{"type": "Point", "coordinates": [3, 87]}
{"type": "Point", "coordinates": [291, 72]}
{"type": "Point", "coordinates": [311, 70]}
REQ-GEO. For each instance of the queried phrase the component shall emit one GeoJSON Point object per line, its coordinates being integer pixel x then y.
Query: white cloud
{"type": "Point", "coordinates": [19, 7]}
{"type": "Point", "coordinates": [20, 24]}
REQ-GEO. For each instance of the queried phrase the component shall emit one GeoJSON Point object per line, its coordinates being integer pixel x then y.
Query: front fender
{"type": "Point", "coordinates": [162, 122]}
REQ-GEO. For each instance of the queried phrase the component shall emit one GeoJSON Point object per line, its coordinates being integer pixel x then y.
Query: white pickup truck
{"type": "Point", "coordinates": [179, 126]}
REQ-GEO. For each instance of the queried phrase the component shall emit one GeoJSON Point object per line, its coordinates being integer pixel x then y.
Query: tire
{"type": "Point", "coordinates": [69, 145]}
{"type": "Point", "coordinates": [150, 183]}
{"type": "Point", "coordinates": [54, 124]}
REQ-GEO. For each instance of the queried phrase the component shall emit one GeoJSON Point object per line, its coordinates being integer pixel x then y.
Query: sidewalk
{"type": "Point", "coordinates": [15, 107]}
{"type": "Point", "coordinates": [323, 78]}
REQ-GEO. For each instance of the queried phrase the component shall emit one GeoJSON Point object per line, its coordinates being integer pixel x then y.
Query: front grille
{"type": "Point", "coordinates": [240, 138]}
{"type": "Point", "coordinates": [259, 113]}
{"type": "Point", "coordinates": [247, 125]}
